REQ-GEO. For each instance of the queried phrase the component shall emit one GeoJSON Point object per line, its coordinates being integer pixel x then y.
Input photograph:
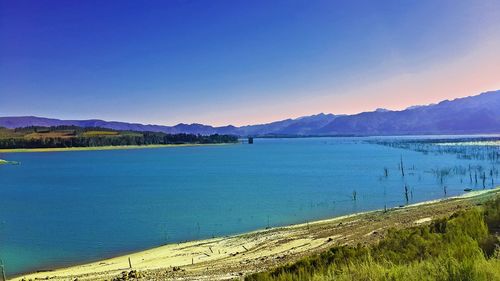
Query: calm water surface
{"type": "Point", "coordinates": [63, 208]}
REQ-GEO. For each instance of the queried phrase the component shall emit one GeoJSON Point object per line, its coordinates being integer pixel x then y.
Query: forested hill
{"type": "Point", "coordinates": [72, 136]}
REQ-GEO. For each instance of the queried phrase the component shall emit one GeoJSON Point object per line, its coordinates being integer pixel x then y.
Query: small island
{"type": "Point", "coordinates": [57, 138]}
{"type": "Point", "coordinates": [5, 162]}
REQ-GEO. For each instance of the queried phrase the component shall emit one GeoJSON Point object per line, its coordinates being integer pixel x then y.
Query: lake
{"type": "Point", "coordinates": [63, 208]}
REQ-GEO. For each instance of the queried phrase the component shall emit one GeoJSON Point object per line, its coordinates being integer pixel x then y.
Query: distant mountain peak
{"type": "Point", "coordinates": [416, 106]}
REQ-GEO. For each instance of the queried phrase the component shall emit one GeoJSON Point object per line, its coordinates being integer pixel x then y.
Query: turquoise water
{"type": "Point", "coordinates": [62, 208]}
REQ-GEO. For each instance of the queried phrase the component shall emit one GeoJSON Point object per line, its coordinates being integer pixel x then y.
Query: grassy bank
{"type": "Point", "coordinates": [464, 246]}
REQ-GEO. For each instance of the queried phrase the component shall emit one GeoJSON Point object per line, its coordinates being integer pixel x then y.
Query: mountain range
{"type": "Point", "coordinates": [479, 114]}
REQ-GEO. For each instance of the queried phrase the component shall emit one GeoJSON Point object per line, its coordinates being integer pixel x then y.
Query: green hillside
{"type": "Point", "coordinates": [72, 136]}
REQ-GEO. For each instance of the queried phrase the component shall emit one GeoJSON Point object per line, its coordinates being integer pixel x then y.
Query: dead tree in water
{"type": "Point", "coordinates": [470, 174]}
{"type": "Point", "coordinates": [354, 195]}
{"type": "Point", "coordinates": [386, 172]}
{"type": "Point", "coordinates": [406, 194]}
{"type": "Point", "coordinates": [2, 268]}
{"type": "Point", "coordinates": [491, 176]}
{"type": "Point", "coordinates": [402, 167]}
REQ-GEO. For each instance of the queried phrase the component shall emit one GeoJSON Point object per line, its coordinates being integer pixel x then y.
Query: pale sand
{"type": "Point", "coordinates": [116, 147]}
{"type": "Point", "coordinates": [229, 257]}
{"type": "Point", "coordinates": [423, 220]}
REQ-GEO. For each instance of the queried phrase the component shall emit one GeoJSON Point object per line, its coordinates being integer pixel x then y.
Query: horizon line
{"type": "Point", "coordinates": [255, 124]}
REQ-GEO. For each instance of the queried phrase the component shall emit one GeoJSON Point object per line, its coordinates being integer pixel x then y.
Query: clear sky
{"type": "Point", "coordinates": [241, 62]}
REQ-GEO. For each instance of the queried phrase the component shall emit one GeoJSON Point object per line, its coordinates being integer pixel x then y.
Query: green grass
{"type": "Point", "coordinates": [462, 247]}
{"type": "Point", "coordinates": [99, 133]}
{"type": "Point", "coordinates": [56, 134]}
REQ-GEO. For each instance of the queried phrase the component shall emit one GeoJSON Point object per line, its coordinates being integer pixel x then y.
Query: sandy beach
{"type": "Point", "coordinates": [231, 257]}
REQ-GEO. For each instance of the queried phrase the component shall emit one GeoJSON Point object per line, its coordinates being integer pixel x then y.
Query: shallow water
{"type": "Point", "coordinates": [62, 208]}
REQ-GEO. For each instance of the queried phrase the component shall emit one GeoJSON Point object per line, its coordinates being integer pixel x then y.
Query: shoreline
{"type": "Point", "coordinates": [492, 143]}
{"type": "Point", "coordinates": [229, 256]}
{"type": "Point", "coordinates": [97, 148]}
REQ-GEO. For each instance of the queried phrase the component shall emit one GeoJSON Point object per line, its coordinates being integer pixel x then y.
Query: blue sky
{"type": "Point", "coordinates": [240, 62]}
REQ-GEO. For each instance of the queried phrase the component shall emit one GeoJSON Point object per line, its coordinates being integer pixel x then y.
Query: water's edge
{"type": "Point", "coordinates": [470, 195]}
